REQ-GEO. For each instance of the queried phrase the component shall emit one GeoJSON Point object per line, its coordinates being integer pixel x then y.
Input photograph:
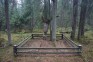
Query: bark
{"type": "Point", "coordinates": [45, 28]}
{"type": "Point", "coordinates": [61, 17]}
{"type": "Point", "coordinates": [46, 25]}
{"type": "Point", "coordinates": [0, 24]}
{"type": "Point", "coordinates": [82, 18]}
{"type": "Point", "coordinates": [46, 16]}
{"type": "Point", "coordinates": [0, 27]}
{"type": "Point", "coordinates": [32, 21]}
{"type": "Point", "coordinates": [7, 21]}
{"type": "Point", "coordinates": [1, 13]}
{"type": "Point", "coordinates": [53, 22]}
{"type": "Point", "coordinates": [51, 31]}
{"type": "Point", "coordinates": [51, 16]}
{"type": "Point", "coordinates": [75, 12]}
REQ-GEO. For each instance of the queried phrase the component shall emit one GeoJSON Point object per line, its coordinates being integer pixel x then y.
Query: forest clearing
{"type": "Point", "coordinates": [6, 54]}
{"type": "Point", "coordinates": [46, 30]}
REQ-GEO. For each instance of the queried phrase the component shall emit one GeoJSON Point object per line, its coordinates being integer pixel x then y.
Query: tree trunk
{"type": "Point", "coordinates": [32, 21]}
{"type": "Point", "coordinates": [7, 21]}
{"type": "Point", "coordinates": [51, 14]}
{"type": "Point", "coordinates": [45, 28]}
{"type": "Point", "coordinates": [61, 16]}
{"type": "Point", "coordinates": [0, 27]}
{"type": "Point", "coordinates": [82, 18]}
{"type": "Point", "coordinates": [0, 22]}
{"type": "Point", "coordinates": [51, 31]}
{"type": "Point", "coordinates": [0, 15]}
{"type": "Point", "coordinates": [46, 16]}
{"type": "Point", "coordinates": [75, 12]}
{"type": "Point", "coordinates": [53, 22]}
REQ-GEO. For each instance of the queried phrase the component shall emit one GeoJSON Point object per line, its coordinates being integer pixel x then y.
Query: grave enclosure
{"type": "Point", "coordinates": [35, 44]}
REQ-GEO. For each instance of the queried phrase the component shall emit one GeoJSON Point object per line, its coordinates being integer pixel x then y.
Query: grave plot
{"type": "Point", "coordinates": [35, 44]}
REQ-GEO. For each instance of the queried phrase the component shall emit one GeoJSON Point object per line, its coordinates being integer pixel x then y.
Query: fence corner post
{"type": "Point", "coordinates": [80, 49]}
{"type": "Point", "coordinates": [61, 36]}
{"type": "Point", "coordinates": [15, 50]}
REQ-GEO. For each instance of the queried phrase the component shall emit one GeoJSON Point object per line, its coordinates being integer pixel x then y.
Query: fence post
{"type": "Point", "coordinates": [32, 36]}
{"type": "Point", "coordinates": [61, 36]}
{"type": "Point", "coordinates": [15, 50]}
{"type": "Point", "coordinates": [80, 49]}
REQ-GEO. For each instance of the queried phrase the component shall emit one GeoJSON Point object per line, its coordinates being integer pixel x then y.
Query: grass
{"type": "Point", "coordinates": [16, 37]}
{"type": "Point", "coordinates": [87, 43]}
{"type": "Point", "coordinates": [7, 52]}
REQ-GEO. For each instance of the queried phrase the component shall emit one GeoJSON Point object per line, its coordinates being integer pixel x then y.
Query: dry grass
{"type": "Point", "coordinates": [87, 43]}
{"type": "Point", "coordinates": [6, 54]}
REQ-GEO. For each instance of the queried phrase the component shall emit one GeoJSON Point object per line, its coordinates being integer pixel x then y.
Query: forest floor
{"type": "Point", "coordinates": [6, 54]}
{"type": "Point", "coordinates": [47, 57]}
{"type": "Point", "coordinates": [39, 42]}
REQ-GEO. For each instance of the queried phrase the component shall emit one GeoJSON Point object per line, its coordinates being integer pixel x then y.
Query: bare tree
{"type": "Point", "coordinates": [1, 13]}
{"type": "Point", "coordinates": [46, 16]}
{"type": "Point", "coordinates": [7, 21]}
{"type": "Point", "coordinates": [53, 22]}
{"type": "Point", "coordinates": [75, 12]}
{"type": "Point", "coordinates": [84, 4]}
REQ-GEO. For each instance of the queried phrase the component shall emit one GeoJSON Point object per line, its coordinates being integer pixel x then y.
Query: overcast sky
{"type": "Point", "coordinates": [19, 1]}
